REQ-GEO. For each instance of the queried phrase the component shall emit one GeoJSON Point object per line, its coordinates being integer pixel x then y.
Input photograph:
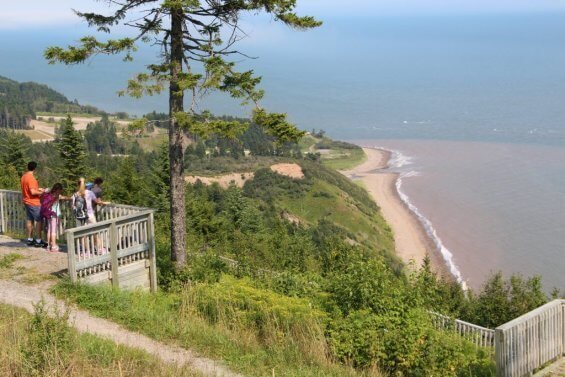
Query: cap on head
{"type": "Point", "coordinates": [89, 185]}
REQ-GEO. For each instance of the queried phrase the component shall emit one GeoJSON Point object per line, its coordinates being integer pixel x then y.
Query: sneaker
{"type": "Point", "coordinates": [30, 242]}
{"type": "Point", "coordinates": [53, 249]}
{"type": "Point", "coordinates": [40, 244]}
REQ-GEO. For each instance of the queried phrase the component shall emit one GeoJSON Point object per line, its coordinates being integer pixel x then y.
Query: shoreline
{"type": "Point", "coordinates": [412, 241]}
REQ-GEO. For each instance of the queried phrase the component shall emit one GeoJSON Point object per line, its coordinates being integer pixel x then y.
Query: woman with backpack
{"type": "Point", "coordinates": [50, 211]}
{"type": "Point", "coordinates": [82, 205]}
{"type": "Point", "coordinates": [83, 210]}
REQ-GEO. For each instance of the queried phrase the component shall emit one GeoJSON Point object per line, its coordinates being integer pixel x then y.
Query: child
{"type": "Point", "coordinates": [51, 212]}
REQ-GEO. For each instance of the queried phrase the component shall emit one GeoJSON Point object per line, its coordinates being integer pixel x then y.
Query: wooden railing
{"type": "Point", "coordinates": [12, 213]}
{"type": "Point", "coordinates": [119, 249]}
{"type": "Point", "coordinates": [530, 341]}
{"type": "Point", "coordinates": [480, 336]}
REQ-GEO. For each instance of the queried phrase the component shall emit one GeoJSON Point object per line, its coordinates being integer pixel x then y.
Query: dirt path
{"type": "Point", "coordinates": [25, 295]}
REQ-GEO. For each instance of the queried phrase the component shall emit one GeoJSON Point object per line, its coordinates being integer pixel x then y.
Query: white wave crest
{"type": "Point", "coordinates": [431, 231]}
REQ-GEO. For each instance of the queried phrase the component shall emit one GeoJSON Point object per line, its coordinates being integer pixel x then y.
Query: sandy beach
{"type": "Point", "coordinates": [411, 240]}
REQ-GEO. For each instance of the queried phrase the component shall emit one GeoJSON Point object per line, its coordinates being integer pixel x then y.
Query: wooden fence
{"type": "Point", "coordinates": [530, 341]}
{"type": "Point", "coordinates": [480, 336]}
{"type": "Point", "coordinates": [12, 213]}
{"type": "Point", "coordinates": [118, 250]}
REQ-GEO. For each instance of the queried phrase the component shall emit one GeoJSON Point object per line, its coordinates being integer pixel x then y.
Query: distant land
{"type": "Point", "coordinates": [20, 102]}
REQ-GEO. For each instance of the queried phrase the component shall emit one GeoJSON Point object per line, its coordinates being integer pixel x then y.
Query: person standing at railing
{"type": "Point", "coordinates": [98, 192]}
{"type": "Point", "coordinates": [51, 212]}
{"type": "Point", "coordinates": [30, 195]}
{"type": "Point", "coordinates": [82, 202]}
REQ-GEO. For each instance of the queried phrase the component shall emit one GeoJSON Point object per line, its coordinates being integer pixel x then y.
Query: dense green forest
{"type": "Point", "coordinates": [297, 275]}
{"type": "Point", "coordinates": [19, 103]}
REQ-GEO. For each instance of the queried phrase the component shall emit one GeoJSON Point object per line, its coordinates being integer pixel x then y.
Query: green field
{"type": "Point", "coordinates": [35, 135]}
{"type": "Point", "coordinates": [79, 115]}
{"type": "Point", "coordinates": [343, 159]}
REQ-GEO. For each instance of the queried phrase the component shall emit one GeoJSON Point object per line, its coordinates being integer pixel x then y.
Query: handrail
{"type": "Point", "coordinates": [478, 335]}
{"type": "Point", "coordinates": [123, 236]}
{"type": "Point", "coordinates": [531, 340]}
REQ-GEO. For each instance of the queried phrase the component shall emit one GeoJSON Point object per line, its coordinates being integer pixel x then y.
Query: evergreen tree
{"type": "Point", "coordinates": [194, 35]}
{"type": "Point", "coordinates": [13, 151]}
{"type": "Point", "coordinates": [126, 185]}
{"type": "Point", "coordinates": [72, 151]}
{"type": "Point", "coordinates": [160, 182]}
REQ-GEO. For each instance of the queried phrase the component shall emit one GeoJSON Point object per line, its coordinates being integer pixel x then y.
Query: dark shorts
{"type": "Point", "coordinates": [32, 213]}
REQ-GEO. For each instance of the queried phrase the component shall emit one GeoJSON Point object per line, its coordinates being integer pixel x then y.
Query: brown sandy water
{"type": "Point", "coordinates": [492, 206]}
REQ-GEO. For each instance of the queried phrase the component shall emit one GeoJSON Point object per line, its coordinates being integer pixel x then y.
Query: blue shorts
{"type": "Point", "coordinates": [33, 213]}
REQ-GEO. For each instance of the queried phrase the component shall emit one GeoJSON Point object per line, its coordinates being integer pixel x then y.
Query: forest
{"type": "Point", "coordinates": [323, 294]}
{"type": "Point", "coordinates": [19, 103]}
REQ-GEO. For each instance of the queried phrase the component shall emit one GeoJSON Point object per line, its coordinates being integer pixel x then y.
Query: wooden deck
{"type": "Point", "coordinates": [119, 249]}
{"type": "Point", "coordinates": [556, 369]}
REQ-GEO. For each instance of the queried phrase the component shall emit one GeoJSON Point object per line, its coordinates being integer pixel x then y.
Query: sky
{"type": "Point", "coordinates": [39, 13]}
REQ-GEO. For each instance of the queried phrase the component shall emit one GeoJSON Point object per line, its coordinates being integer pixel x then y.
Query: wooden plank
{"type": "Point", "coordinates": [133, 250]}
{"type": "Point", "coordinates": [2, 213]}
{"type": "Point", "coordinates": [101, 278]}
{"type": "Point", "coordinates": [152, 254]}
{"type": "Point", "coordinates": [114, 255]}
{"type": "Point", "coordinates": [93, 261]}
{"type": "Point", "coordinates": [71, 256]}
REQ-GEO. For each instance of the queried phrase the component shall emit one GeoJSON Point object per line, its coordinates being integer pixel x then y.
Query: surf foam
{"type": "Point", "coordinates": [399, 161]}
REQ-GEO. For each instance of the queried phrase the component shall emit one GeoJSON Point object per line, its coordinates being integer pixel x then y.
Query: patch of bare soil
{"type": "Point", "coordinates": [290, 170]}
{"type": "Point", "coordinates": [224, 181]}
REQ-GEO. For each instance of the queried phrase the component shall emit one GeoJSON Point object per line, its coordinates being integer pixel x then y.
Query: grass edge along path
{"type": "Point", "coordinates": [44, 344]}
{"type": "Point", "coordinates": [160, 316]}
{"type": "Point", "coordinates": [25, 297]}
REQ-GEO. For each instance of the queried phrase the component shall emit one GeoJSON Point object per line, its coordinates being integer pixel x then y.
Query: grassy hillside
{"type": "Point", "coordinates": [292, 275]}
{"type": "Point", "coordinates": [333, 154]}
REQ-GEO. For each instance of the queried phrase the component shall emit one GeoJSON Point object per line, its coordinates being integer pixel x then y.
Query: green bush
{"type": "Point", "coordinates": [273, 318]}
{"type": "Point", "coordinates": [404, 345]}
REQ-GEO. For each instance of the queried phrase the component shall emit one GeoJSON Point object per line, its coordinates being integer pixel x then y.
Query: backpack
{"type": "Point", "coordinates": [46, 210]}
{"type": "Point", "coordinates": [79, 208]}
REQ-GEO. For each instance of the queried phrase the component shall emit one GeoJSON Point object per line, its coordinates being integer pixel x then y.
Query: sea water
{"type": "Point", "coordinates": [488, 206]}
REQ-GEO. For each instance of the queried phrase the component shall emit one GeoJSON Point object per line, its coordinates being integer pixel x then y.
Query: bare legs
{"type": "Point", "coordinates": [38, 229]}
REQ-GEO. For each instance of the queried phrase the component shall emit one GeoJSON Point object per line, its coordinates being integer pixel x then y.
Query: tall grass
{"type": "Point", "coordinates": [253, 331]}
{"type": "Point", "coordinates": [44, 345]}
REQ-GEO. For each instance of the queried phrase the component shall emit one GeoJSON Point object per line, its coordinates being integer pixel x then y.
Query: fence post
{"type": "Point", "coordinates": [2, 213]}
{"type": "Point", "coordinates": [71, 255]}
{"type": "Point", "coordinates": [114, 254]}
{"type": "Point", "coordinates": [152, 256]}
{"type": "Point", "coordinates": [499, 352]}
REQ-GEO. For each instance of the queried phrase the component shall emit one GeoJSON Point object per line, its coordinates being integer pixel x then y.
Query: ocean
{"type": "Point", "coordinates": [474, 101]}
{"type": "Point", "coordinates": [488, 206]}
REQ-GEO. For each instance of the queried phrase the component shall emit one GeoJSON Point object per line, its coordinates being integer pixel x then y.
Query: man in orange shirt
{"type": "Point", "coordinates": [31, 194]}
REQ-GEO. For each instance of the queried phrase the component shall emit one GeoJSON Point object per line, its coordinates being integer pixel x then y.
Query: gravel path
{"type": "Point", "coordinates": [25, 295]}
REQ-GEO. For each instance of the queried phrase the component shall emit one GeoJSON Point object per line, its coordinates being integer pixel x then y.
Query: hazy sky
{"type": "Point", "coordinates": [28, 13]}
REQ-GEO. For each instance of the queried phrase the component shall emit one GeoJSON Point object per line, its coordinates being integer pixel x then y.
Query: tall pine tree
{"type": "Point", "coordinates": [13, 150]}
{"type": "Point", "coordinates": [72, 150]}
{"type": "Point", "coordinates": [197, 39]}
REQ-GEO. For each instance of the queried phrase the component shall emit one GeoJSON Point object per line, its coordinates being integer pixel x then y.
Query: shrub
{"type": "Point", "coordinates": [50, 344]}
{"type": "Point", "coordinates": [405, 345]}
{"type": "Point", "coordinates": [272, 318]}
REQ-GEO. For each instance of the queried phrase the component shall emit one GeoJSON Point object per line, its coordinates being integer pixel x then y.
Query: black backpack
{"type": "Point", "coordinates": [80, 207]}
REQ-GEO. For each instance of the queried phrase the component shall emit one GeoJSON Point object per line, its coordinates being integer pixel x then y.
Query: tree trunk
{"type": "Point", "coordinates": [176, 145]}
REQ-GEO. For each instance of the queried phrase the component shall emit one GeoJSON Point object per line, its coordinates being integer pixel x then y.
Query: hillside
{"type": "Point", "coordinates": [295, 274]}
{"type": "Point", "coordinates": [19, 103]}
